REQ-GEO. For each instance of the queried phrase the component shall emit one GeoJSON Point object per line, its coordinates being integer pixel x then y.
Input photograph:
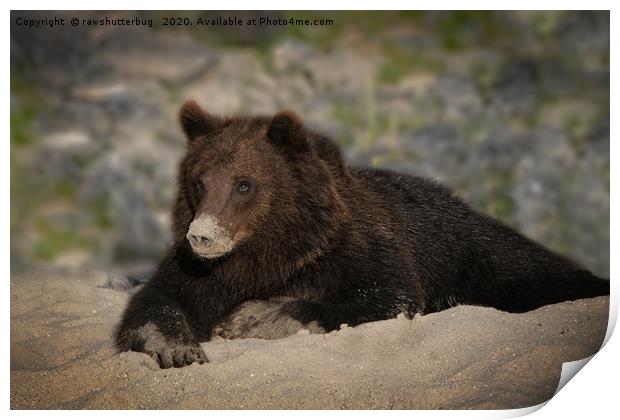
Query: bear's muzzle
{"type": "Point", "coordinates": [207, 237]}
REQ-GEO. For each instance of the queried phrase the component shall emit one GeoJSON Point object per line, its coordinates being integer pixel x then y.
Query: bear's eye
{"type": "Point", "coordinates": [200, 187]}
{"type": "Point", "coordinates": [243, 187]}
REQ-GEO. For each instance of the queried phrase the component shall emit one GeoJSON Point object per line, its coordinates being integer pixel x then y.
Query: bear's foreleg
{"type": "Point", "coordinates": [269, 319]}
{"type": "Point", "coordinates": [157, 325]}
{"type": "Point", "coordinates": [262, 319]}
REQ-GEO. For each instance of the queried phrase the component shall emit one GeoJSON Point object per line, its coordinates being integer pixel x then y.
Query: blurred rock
{"type": "Point", "coordinates": [117, 282]}
{"type": "Point", "coordinates": [238, 83]}
{"type": "Point", "coordinates": [138, 235]}
{"type": "Point", "coordinates": [71, 144]}
{"type": "Point", "coordinates": [559, 200]}
{"type": "Point", "coordinates": [117, 100]}
{"type": "Point", "coordinates": [397, 102]}
{"type": "Point", "coordinates": [438, 152]}
{"type": "Point", "coordinates": [598, 138]}
{"type": "Point", "coordinates": [584, 29]}
{"type": "Point", "coordinates": [342, 71]}
{"type": "Point", "coordinates": [57, 168]}
{"type": "Point", "coordinates": [291, 56]}
{"type": "Point", "coordinates": [73, 259]}
{"type": "Point", "coordinates": [136, 53]}
{"type": "Point", "coordinates": [516, 87]}
{"type": "Point", "coordinates": [458, 96]}
{"type": "Point", "coordinates": [55, 58]}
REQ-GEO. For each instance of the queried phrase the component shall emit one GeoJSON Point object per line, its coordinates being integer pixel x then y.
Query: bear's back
{"type": "Point", "coordinates": [408, 192]}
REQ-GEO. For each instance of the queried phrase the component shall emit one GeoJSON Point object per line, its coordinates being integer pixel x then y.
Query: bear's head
{"type": "Point", "coordinates": [257, 184]}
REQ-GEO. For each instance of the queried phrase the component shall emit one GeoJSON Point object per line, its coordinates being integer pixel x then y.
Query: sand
{"type": "Point", "coordinates": [62, 356]}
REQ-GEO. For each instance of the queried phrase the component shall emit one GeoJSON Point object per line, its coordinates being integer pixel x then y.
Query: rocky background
{"type": "Point", "coordinates": [511, 109]}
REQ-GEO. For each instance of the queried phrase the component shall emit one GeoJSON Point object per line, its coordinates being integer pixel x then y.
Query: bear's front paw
{"type": "Point", "coordinates": [167, 352]}
{"type": "Point", "coordinates": [177, 355]}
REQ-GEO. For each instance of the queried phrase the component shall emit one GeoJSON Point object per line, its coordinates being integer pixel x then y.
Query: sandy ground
{"type": "Point", "coordinates": [466, 357]}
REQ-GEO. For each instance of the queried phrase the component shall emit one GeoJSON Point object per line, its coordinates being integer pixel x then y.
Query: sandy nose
{"type": "Point", "coordinates": [199, 241]}
{"type": "Point", "coordinates": [202, 233]}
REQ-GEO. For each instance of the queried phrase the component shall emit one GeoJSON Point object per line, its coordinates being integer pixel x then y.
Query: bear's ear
{"type": "Point", "coordinates": [195, 121]}
{"type": "Point", "coordinates": [287, 133]}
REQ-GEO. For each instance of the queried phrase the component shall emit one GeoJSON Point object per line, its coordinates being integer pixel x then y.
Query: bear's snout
{"type": "Point", "coordinates": [197, 241]}
{"type": "Point", "coordinates": [207, 238]}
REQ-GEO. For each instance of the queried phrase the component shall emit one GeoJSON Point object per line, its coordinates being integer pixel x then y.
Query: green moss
{"type": "Point", "coordinates": [394, 155]}
{"type": "Point", "coordinates": [371, 116]}
{"type": "Point", "coordinates": [65, 190]}
{"type": "Point", "coordinates": [26, 104]}
{"type": "Point", "coordinates": [577, 126]}
{"type": "Point", "coordinates": [497, 202]}
{"type": "Point", "coordinates": [22, 123]}
{"type": "Point", "coordinates": [55, 241]}
{"type": "Point", "coordinates": [390, 72]}
{"type": "Point", "coordinates": [454, 27]}
{"type": "Point", "coordinates": [544, 23]}
{"type": "Point", "coordinates": [20, 86]}
{"type": "Point", "coordinates": [263, 52]}
{"type": "Point", "coordinates": [604, 58]}
{"type": "Point", "coordinates": [503, 207]}
{"type": "Point", "coordinates": [400, 62]}
{"type": "Point", "coordinates": [101, 216]}
{"type": "Point", "coordinates": [366, 116]}
{"type": "Point", "coordinates": [26, 193]}
{"type": "Point", "coordinates": [469, 129]}
{"type": "Point", "coordinates": [173, 91]}
{"type": "Point", "coordinates": [345, 113]}
{"type": "Point", "coordinates": [484, 74]}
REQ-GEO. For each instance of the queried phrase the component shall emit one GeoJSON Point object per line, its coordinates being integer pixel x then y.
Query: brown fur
{"type": "Point", "coordinates": [305, 241]}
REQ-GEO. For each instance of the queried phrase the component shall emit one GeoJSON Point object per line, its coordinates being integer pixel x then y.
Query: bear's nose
{"type": "Point", "coordinates": [199, 241]}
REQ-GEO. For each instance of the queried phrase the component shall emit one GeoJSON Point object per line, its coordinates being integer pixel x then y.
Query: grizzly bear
{"type": "Point", "coordinates": [274, 233]}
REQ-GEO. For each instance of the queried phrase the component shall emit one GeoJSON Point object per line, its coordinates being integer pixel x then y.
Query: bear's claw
{"type": "Point", "coordinates": [178, 355]}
